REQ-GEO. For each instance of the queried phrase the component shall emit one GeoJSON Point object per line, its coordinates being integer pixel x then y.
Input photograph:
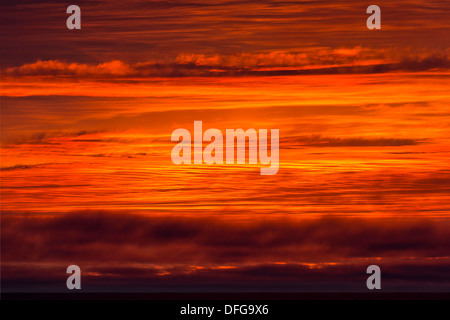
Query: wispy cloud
{"type": "Point", "coordinates": [320, 141]}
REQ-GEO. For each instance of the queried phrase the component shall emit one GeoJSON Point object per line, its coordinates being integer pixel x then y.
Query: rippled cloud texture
{"type": "Point", "coordinates": [86, 120]}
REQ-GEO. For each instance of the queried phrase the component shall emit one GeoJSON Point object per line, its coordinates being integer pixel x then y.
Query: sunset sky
{"type": "Point", "coordinates": [86, 123]}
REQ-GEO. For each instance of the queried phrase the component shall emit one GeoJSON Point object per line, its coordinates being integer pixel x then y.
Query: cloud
{"type": "Point", "coordinates": [403, 277]}
{"type": "Point", "coordinates": [129, 252]}
{"type": "Point", "coordinates": [321, 141]}
{"type": "Point", "coordinates": [18, 167]}
{"type": "Point", "coordinates": [49, 138]}
{"type": "Point", "coordinates": [59, 68]}
{"type": "Point", "coordinates": [314, 57]}
{"type": "Point", "coordinates": [154, 30]}
{"type": "Point", "coordinates": [102, 236]}
{"type": "Point", "coordinates": [319, 62]}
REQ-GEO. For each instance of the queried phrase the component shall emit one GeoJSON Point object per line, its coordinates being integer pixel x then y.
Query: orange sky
{"type": "Point", "coordinates": [86, 120]}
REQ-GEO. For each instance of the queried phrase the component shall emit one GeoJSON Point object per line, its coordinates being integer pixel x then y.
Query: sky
{"type": "Point", "coordinates": [86, 123]}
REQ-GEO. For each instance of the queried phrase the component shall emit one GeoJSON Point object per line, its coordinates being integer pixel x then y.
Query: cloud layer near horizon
{"type": "Point", "coordinates": [175, 251]}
